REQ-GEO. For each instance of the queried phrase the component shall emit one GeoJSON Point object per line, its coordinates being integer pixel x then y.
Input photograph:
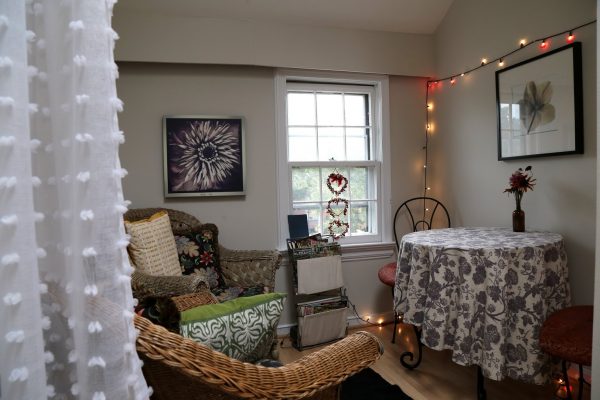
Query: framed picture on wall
{"type": "Point", "coordinates": [203, 156]}
{"type": "Point", "coordinates": [539, 105]}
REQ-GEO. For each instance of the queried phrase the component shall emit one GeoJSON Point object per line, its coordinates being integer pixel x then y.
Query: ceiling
{"type": "Point", "coordinates": [403, 16]}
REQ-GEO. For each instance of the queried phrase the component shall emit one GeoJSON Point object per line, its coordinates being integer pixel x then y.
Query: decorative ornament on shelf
{"type": "Point", "coordinates": [520, 182]}
{"type": "Point", "coordinates": [337, 184]}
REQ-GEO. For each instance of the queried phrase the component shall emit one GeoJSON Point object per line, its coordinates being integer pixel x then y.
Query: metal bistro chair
{"type": "Point", "coordinates": [426, 208]}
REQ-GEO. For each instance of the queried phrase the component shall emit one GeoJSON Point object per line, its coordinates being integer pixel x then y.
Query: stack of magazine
{"type": "Point", "coordinates": [320, 303]}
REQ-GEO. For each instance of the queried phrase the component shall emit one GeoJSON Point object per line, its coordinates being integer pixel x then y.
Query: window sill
{"type": "Point", "coordinates": [358, 252]}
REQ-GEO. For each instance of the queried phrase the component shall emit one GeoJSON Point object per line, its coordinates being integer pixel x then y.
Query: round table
{"type": "Point", "coordinates": [484, 293]}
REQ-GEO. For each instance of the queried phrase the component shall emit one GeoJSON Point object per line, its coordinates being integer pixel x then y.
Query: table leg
{"type": "Point", "coordinates": [410, 355]}
{"type": "Point", "coordinates": [481, 394]}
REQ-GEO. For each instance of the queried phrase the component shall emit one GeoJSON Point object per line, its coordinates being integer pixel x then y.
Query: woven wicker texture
{"type": "Point", "coordinates": [192, 300]}
{"type": "Point", "coordinates": [152, 246]}
{"type": "Point", "coordinates": [144, 285]}
{"type": "Point", "coordinates": [179, 368]}
{"type": "Point", "coordinates": [240, 267]}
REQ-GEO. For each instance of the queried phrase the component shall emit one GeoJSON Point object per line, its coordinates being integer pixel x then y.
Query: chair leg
{"type": "Point", "coordinates": [581, 380]}
{"type": "Point", "coordinates": [566, 378]}
{"type": "Point", "coordinates": [395, 320]}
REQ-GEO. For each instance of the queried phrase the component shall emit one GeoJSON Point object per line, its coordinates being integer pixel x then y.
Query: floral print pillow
{"type": "Point", "coordinates": [199, 254]}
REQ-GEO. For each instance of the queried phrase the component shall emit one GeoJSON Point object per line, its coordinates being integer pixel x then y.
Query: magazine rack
{"type": "Point", "coordinates": [321, 305]}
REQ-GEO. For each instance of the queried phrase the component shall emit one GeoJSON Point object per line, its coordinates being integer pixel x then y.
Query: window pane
{"type": "Point", "coordinates": [313, 213]}
{"type": "Point", "coordinates": [357, 144]}
{"type": "Point", "coordinates": [331, 144]}
{"type": "Point", "coordinates": [330, 110]}
{"type": "Point", "coordinates": [356, 109]}
{"type": "Point", "coordinates": [359, 189]}
{"type": "Point", "coordinates": [301, 108]}
{"type": "Point", "coordinates": [360, 220]}
{"type": "Point", "coordinates": [302, 144]}
{"type": "Point", "coordinates": [305, 184]}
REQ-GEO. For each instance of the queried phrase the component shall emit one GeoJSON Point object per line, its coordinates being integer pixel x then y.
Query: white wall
{"type": "Point", "coordinates": [151, 90]}
{"type": "Point", "coordinates": [167, 38]}
{"type": "Point", "coordinates": [465, 171]}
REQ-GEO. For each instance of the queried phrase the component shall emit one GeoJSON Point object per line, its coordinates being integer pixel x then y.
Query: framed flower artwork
{"type": "Point", "coordinates": [539, 105]}
{"type": "Point", "coordinates": [203, 156]}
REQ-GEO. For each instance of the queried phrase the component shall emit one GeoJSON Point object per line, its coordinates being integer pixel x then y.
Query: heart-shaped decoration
{"type": "Point", "coordinates": [337, 183]}
{"type": "Point", "coordinates": [338, 228]}
{"type": "Point", "coordinates": [337, 211]}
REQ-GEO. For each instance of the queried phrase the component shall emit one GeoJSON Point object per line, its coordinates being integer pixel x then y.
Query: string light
{"type": "Point", "coordinates": [523, 43]}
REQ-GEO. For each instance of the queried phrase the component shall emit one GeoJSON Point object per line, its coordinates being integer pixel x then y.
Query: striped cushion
{"type": "Point", "coordinates": [152, 247]}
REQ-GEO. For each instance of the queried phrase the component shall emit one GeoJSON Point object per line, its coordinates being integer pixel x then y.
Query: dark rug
{"type": "Point", "coordinates": [369, 385]}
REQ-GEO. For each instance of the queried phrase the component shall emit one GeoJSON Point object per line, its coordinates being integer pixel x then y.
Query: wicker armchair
{"type": "Point", "coordinates": [179, 368]}
{"type": "Point", "coordinates": [240, 267]}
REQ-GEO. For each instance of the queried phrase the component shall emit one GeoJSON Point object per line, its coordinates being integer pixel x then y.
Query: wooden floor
{"type": "Point", "coordinates": [437, 377]}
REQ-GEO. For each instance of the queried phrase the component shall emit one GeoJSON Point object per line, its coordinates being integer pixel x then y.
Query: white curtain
{"type": "Point", "coordinates": [66, 321]}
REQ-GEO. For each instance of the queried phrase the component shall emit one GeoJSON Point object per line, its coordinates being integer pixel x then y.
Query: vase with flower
{"type": "Point", "coordinates": [520, 182]}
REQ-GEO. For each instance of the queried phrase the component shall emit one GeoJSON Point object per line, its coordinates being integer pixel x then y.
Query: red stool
{"type": "Point", "coordinates": [567, 334]}
{"type": "Point", "coordinates": [387, 276]}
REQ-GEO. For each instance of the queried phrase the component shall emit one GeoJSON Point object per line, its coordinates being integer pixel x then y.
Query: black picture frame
{"type": "Point", "coordinates": [203, 155]}
{"type": "Point", "coordinates": [539, 105]}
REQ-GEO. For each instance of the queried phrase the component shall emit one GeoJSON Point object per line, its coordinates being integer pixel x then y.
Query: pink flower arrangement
{"type": "Point", "coordinates": [520, 182]}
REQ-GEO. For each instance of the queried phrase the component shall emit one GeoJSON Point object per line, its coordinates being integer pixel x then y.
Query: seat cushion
{"type": "Point", "coordinates": [152, 245]}
{"type": "Point", "coordinates": [243, 328]}
{"type": "Point", "coordinates": [567, 334]}
{"type": "Point", "coordinates": [387, 274]}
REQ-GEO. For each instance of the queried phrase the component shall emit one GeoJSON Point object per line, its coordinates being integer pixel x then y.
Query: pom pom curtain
{"type": "Point", "coordinates": [65, 296]}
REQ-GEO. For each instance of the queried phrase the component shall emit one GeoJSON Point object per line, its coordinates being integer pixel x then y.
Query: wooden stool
{"type": "Point", "coordinates": [567, 334]}
{"type": "Point", "coordinates": [387, 276]}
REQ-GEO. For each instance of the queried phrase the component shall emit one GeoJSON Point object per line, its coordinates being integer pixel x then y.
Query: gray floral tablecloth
{"type": "Point", "coordinates": [484, 293]}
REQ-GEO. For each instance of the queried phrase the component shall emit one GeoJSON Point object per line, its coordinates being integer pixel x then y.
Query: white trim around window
{"type": "Point", "coordinates": [380, 85]}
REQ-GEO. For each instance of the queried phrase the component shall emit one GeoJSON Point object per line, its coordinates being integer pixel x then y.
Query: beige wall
{"type": "Point", "coordinates": [166, 38]}
{"type": "Point", "coordinates": [465, 169]}
{"type": "Point", "coordinates": [151, 90]}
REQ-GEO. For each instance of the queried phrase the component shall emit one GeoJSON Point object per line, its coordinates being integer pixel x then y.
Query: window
{"type": "Point", "coordinates": [331, 125]}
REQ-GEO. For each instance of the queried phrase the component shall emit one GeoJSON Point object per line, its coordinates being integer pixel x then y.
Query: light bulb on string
{"type": "Point", "coordinates": [484, 61]}
{"type": "Point", "coordinates": [522, 43]}
{"type": "Point", "coordinates": [544, 44]}
{"type": "Point", "coordinates": [463, 74]}
{"type": "Point", "coordinates": [501, 63]}
{"type": "Point", "coordinates": [571, 37]}
{"type": "Point", "coordinates": [452, 80]}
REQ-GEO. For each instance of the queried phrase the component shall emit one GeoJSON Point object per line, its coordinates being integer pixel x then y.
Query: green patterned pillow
{"type": "Point", "coordinates": [243, 328]}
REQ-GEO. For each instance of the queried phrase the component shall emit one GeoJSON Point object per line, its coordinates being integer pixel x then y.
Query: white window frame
{"type": "Point", "coordinates": [381, 148]}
